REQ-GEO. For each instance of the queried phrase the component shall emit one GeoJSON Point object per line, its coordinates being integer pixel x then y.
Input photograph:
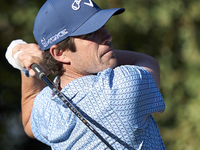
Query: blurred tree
{"type": "Point", "coordinates": [167, 30]}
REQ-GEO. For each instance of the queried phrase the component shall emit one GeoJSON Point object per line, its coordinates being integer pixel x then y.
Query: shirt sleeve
{"type": "Point", "coordinates": [40, 117]}
{"type": "Point", "coordinates": [51, 122]}
{"type": "Point", "coordinates": [134, 95]}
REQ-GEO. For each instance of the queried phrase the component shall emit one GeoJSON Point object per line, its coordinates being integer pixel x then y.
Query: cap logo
{"type": "Point", "coordinates": [90, 3]}
{"type": "Point", "coordinates": [46, 43]}
{"type": "Point", "coordinates": [77, 4]}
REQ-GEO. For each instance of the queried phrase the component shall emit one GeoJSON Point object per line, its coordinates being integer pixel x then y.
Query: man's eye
{"type": "Point", "coordinates": [86, 36]}
{"type": "Point", "coordinates": [90, 35]}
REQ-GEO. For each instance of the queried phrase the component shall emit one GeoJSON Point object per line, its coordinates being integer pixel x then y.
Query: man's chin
{"type": "Point", "coordinates": [113, 63]}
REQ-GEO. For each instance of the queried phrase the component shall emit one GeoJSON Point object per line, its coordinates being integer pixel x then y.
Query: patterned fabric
{"type": "Point", "coordinates": [118, 104]}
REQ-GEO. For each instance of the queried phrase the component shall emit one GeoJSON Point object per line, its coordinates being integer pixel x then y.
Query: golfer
{"type": "Point", "coordinates": [117, 91]}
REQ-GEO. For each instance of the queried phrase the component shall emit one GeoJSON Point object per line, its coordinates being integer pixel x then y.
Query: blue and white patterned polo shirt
{"type": "Point", "coordinates": [118, 103]}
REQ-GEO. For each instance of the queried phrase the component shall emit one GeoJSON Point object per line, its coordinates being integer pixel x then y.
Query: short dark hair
{"type": "Point", "coordinates": [53, 66]}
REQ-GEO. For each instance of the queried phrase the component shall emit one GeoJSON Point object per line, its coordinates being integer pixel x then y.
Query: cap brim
{"type": "Point", "coordinates": [97, 21]}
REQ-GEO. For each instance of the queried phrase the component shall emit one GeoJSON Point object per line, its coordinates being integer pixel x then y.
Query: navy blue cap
{"type": "Point", "coordinates": [59, 19]}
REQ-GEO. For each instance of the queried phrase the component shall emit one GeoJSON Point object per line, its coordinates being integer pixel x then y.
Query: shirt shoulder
{"type": "Point", "coordinates": [127, 75]}
{"type": "Point", "coordinates": [133, 94]}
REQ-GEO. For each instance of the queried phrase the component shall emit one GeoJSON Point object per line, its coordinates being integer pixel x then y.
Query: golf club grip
{"type": "Point", "coordinates": [39, 72]}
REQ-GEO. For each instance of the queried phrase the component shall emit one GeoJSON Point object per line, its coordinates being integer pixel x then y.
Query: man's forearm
{"type": "Point", "coordinates": [31, 86]}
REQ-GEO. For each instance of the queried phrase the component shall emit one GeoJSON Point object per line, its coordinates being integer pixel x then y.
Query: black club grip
{"type": "Point", "coordinates": [39, 72]}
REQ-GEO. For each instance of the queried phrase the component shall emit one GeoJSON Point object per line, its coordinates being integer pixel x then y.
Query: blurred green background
{"type": "Point", "coordinates": [167, 30]}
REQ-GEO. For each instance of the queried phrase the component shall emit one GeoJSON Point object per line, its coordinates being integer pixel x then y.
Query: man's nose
{"type": "Point", "coordinates": [106, 37]}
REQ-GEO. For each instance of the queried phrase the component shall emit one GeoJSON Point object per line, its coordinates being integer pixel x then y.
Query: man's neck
{"type": "Point", "coordinates": [68, 76]}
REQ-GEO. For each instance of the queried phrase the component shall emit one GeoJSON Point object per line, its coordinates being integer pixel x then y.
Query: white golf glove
{"type": "Point", "coordinates": [14, 60]}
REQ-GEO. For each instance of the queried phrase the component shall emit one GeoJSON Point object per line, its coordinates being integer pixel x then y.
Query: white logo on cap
{"type": "Point", "coordinates": [76, 4]}
{"type": "Point", "coordinates": [60, 34]}
{"type": "Point", "coordinates": [89, 4]}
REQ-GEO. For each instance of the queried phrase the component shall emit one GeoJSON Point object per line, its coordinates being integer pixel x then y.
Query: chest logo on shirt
{"type": "Point", "coordinates": [77, 4]}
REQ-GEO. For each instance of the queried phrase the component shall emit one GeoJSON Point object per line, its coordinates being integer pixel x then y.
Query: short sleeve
{"type": "Point", "coordinates": [133, 94]}
{"type": "Point", "coordinates": [40, 116]}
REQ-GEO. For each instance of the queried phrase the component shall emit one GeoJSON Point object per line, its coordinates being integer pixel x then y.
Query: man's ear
{"type": "Point", "coordinates": [59, 55]}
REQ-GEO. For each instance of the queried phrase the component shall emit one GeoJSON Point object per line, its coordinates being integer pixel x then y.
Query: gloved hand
{"type": "Point", "coordinates": [13, 60]}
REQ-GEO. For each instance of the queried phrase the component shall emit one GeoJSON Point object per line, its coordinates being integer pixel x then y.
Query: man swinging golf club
{"type": "Point", "coordinates": [116, 91]}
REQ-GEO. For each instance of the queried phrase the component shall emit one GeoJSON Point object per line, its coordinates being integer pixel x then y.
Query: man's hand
{"type": "Point", "coordinates": [30, 53]}
{"type": "Point", "coordinates": [22, 55]}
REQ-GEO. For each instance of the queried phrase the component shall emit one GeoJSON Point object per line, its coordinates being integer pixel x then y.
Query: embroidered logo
{"type": "Point", "coordinates": [76, 5]}
{"type": "Point", "coordinates": [90, 3]}
{"type": "Point", "coordinates": [46, 43]}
